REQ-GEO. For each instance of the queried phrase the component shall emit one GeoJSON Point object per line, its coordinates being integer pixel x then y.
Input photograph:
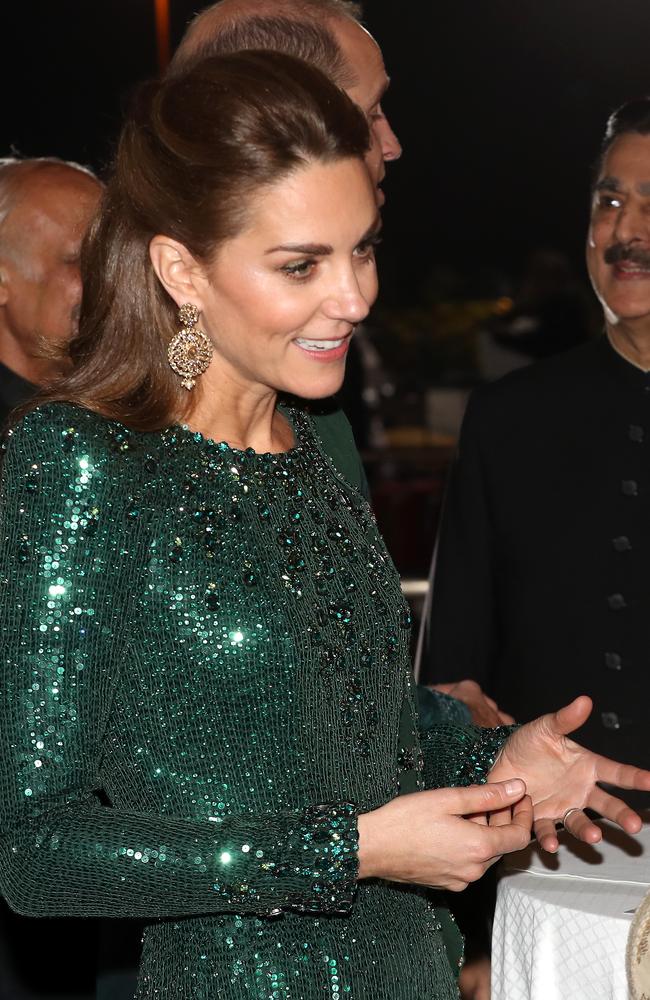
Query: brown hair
{"type": "Point", "coordinates": [193, 152]}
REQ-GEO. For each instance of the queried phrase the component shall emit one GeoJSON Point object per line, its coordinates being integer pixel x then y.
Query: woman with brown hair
{"type": "Point", "coordinates": [206, 711]}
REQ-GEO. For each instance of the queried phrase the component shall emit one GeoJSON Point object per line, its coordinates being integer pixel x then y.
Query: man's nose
{"type": "Point", "coordinates": [391, 148]}
{"type": "Point", "coordinates": [632, 223]}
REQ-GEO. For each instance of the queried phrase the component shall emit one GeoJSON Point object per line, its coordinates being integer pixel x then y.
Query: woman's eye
{"type": "Point", "coordinates": [375, 114]}
{"type": "Point", "coordinates": [299, 269]}
{"type": "Point", "coordinates": [367, 249]}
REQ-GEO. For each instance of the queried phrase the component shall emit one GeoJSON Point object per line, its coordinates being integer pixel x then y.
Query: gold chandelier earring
{"type": "Point", "coordinates": [190, 351]}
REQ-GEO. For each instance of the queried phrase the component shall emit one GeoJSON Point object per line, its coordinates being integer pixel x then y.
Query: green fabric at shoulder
{"type": "Point", "coordinates": [335, 434]}
{"type": "Point", "coordinates": [51, 430]}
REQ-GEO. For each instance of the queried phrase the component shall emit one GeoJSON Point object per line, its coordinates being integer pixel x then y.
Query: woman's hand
{"type": "Point", "coordinates": [561, 775]}
{"type": "Point", "coordinates": [424, 838]}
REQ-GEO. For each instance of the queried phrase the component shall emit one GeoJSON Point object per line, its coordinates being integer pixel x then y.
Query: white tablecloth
{"type": "Point", "coordinates": [562, 921]}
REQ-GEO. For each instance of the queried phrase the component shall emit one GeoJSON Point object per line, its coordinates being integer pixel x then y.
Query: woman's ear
{"type": "Point", "coordinates": [177, 270]}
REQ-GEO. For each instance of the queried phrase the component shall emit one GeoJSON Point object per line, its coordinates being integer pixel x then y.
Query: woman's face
{"type": "Point", "coordinates": [281, 300]}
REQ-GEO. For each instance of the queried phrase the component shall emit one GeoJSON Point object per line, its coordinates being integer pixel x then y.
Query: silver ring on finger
{"type": "Point", "coordinates": [573, 809]}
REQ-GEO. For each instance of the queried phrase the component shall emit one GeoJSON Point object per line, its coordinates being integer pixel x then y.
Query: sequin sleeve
{"type": "Point", "coordinates": [460, 755]}
{"type": "Point", "coordinates": [436, 707]}
{"type": "Point", "coordinates": [67, 565]}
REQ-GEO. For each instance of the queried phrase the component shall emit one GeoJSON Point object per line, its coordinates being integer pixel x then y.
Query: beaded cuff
{"type": "Point", "coordinates": [324, 849]}
{"type": "Point", "coordinates": [459, 756]}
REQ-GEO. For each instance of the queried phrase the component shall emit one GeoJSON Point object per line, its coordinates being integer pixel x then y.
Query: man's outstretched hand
{"type": "Point", "coordinates": [561, 775]}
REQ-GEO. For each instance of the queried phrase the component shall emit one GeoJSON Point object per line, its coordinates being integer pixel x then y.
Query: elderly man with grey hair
{"type": "Point", "coordinates": [45, 207]}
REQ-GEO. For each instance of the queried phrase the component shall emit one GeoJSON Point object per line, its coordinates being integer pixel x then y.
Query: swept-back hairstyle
{"type": "Point", "coordinates": [193, 153]}
{"type": "Point", "coordinates": [300, 28]}
{"type": "Point", "coordinates": [312, 41]}
{"type": "Point", "coordinates": [631, 117]}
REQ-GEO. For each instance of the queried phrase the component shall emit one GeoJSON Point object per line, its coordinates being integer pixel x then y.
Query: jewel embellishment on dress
{"type": "Point", "coordinates": [190, 351]}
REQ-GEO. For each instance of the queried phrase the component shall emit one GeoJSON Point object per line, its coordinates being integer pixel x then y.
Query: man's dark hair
{"type": "Point", "coordinates": [633, 116]}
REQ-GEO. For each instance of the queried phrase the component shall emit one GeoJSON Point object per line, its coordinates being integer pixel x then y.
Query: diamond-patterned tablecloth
{"type": "Point", "coordinates": [561, 924]}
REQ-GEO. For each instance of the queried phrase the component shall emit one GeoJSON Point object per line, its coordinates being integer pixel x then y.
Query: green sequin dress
{"type": "Point", "coordinates": [205, 678]}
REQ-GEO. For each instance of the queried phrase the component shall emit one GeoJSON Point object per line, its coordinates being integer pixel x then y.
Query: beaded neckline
{"type": "Point", "coordinates": [295, 417]}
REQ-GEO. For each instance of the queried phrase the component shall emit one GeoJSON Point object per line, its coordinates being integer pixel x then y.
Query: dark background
{"type": "Point", "coordinates": [499, 105]}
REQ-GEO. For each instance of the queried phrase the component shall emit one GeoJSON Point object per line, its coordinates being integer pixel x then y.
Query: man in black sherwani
{"type": "Point", "coordinates": [542, 584]}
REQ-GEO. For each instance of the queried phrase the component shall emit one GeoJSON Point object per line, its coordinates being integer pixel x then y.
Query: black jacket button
{"type": "Point", "coordinates": [613, 661]}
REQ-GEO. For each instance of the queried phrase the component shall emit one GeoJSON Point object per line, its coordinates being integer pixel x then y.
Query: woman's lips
{"type": "Point", "coordinates": [324, 350]}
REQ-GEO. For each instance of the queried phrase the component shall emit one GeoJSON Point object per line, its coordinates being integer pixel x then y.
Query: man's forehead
{"type": "Point", "coordinates": [364, 57]}
{"type": "Point", "coordinates": [626, 162]}
{"type": "Point", "coordinates": [57, 202]}
{"type": "Point", "coordinates": [618, 185]}
{"type": "Point", "coordinates": [357, 43]}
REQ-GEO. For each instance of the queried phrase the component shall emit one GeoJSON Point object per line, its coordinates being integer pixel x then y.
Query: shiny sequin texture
{"type": "Point", "coordinates": [217, 641]}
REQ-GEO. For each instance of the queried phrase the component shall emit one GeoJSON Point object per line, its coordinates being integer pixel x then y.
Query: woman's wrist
{"type": "Point", "coordinates": [364, 827]}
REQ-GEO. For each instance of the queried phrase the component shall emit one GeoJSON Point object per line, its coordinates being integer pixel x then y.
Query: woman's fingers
{"type": "Point", "coordinates": [500, 817]}
{"type": "Point", "coordinates": [523, 814]}
{"type": "Point", "coordinates": [516, 835]}
{"type": "Point", "coordinates": [478, 799]}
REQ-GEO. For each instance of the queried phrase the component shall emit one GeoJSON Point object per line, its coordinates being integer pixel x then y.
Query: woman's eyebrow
{"type": "Point", "coordinates": [312, 249]}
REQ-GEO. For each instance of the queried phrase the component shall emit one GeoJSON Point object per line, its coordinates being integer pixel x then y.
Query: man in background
{"type": "Point", "coordinates": [541, 589]}
{"type": "Point", "coordinates": [45, 208]}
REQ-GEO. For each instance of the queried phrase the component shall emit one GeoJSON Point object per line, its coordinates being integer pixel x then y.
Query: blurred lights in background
{"type": "Point", "coordinates": [163, 39]}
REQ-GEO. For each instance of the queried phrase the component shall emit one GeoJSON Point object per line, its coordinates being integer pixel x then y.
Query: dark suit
{"type": "Point", "coordinates": [14, 390]}
{"type": "Point", "coordinates": [542, 586]}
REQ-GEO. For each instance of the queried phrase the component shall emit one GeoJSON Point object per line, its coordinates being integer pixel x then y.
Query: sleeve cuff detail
{"type": "Point", "coordinates": [323, 850]}
{"type": "Point", "coordinates": [474, 753]}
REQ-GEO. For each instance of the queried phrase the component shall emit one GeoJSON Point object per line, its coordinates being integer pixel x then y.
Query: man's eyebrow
{"type": "Point", "coordinates": [380, 93]}
{"type": "Point", "coordinates": [608, 184]}
{"type": "Point", "coordinates": [613, 184]}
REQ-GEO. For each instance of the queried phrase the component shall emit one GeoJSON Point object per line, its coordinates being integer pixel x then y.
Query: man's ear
{"type": "Point", "coordinates": [177, 270]}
